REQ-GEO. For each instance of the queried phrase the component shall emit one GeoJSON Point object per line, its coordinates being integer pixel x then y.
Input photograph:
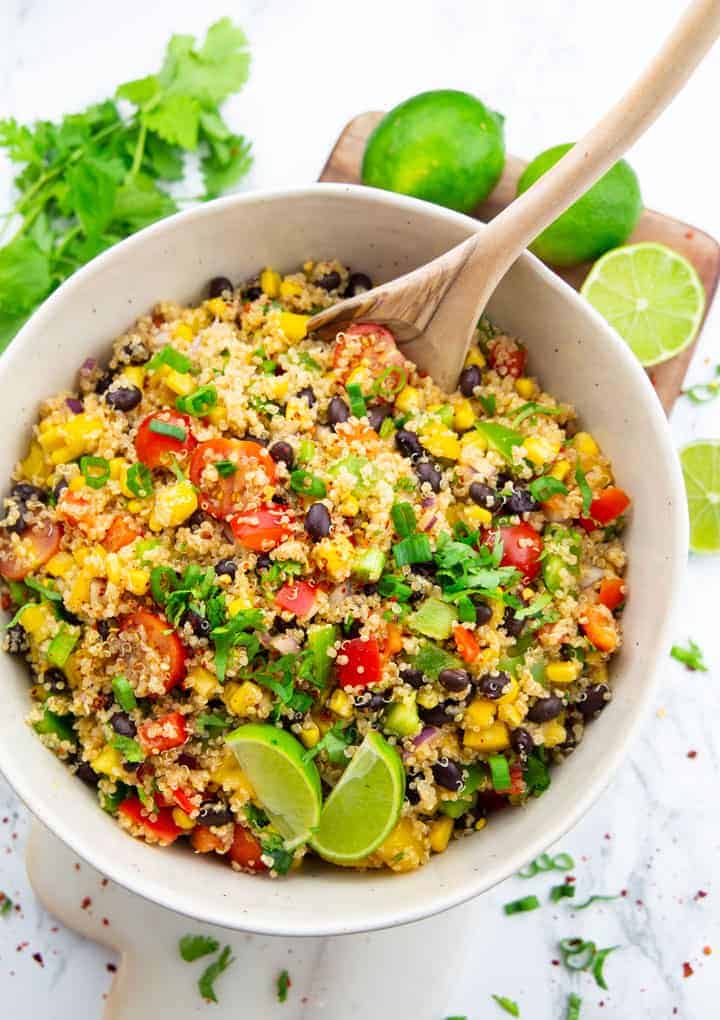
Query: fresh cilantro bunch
{"type": "Point", "coordinates": [97, 176]}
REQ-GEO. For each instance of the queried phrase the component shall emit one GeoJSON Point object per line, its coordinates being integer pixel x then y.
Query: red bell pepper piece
{"type": "Point", "coordinates": [161, 734]}
{"type": "Point", "coordinates": [612, 592]}
{"type": "Point", "coordinates": [296, 597]}
{"type": "Point", "coordinates": [359, 663]}
{"type": "Point", "coordinates": [161, 826]}
{"type": "Point", "coordinates": [184, 802]}
{"type": "Point", "coordinates": [609, 505]}
{"type": "Point", "coordinates": [246, 850]}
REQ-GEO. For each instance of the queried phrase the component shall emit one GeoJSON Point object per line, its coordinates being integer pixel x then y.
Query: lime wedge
{"type": "Point", "coordinates": [701, 470]}
{"type": "Point", "coordinates": [287, 786]}
{"type": "Point", "coordinates": [363, 808]}
{"type": "Point", "coordinates": [651, 295]}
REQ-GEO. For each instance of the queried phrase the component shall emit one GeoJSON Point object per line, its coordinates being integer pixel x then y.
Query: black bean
{"type": "Point", "coordinates": [594, 701]}
{"type": "Point", "coordinates": [442, 713]}
{"type": "Point", "coordinates": [123, 724]}
{"type": "Point", "coordinates": [492, 685]}
{"type": "Point", "coordinates": [188, 760]}
{"type": "Point", "coordinates": [411, 793]}
{"type": "Point", "coordinates": [226, 567]}
{"type": "Point", "coordinates": [352, 627]}
{"type": "Point", "coordinates": [428, 569]}
{"type": "Point", "coordinates": [21, 517]}
{"type": "Point", "coordinates": [250, 438]}
{"type": "Point", "coordinates": [131, 766]}
{"type": "Point", "coordinates": [520, 502]}
{"type": "Point", "coordinates": [370, 588]}
{"type": "Point", "coordinates": [104, 381]}
{"type": "Point", "coordinates": [317, 522]}
{"type": "Point", "coordinates": [60, 487]}
{"type": "Point", "coordinates": [214, 814]}
{"type": "Point", "coordinates": [16, 641]}
{"type": "Point", "coordinates": [513, 626]}
{"type": "Point", "coordinates": [567, 652]}
{"type": "Point", "coordinates": [371, 702]}
{"type": "Point", "coordinates": [282, 452]}
{"type": "Point", "coordinates": [123, 398]}
{"type": "Point", "coordinates": [483, 613]}
{"type": "Point", "coordinates": [521, 741]}
{"type": "Point", "coordinates": [136, 351]}
{"type": "Point", "coordinates": [470, 377]}
{"type": "Point", "coordinates": [307, 393]}
{"type": "Point", "coordinates": [427, 472]}
{"type": "Point", "coordinates": [87, 774]}
{"type": "Point", "coordinates": [546, 709]}
{"type": "Point", "coordinates": [280, 499]}
{"type": "Point", "coordinates": [483, 495]}
{"type": "Point", "coordinates": [218, 286]}
{"type": "Point", "coordinates": [56, 680]}
{"type": "Point", "coordinates": [103, 629]}
{"type": "Point", "coordinates": [357, 283]}
{"type": "Point", "coordinates": [377, 413]}
{"type": "Point", "coordinates": [252, 293]}
{"type": "Point", "coordinates": [337, 411]}
{"type": "Point", "coordinates": [331, 281]}
{"type": "Point", "coordinates": [454, 679]}
{"type": "Point", "coordinates": [196, 518]}
{"type": "Point", "coordinates": [263, 562]}
{"type": "Point", "coordinates": [448, 774]}
{"type": "Point", "coordinates": [412, 676]}
{"type": "Point", "coordinates": [408, 444]}
{"type": "Point", "coordinates": [198, 624]}
{"type": "Point", "coordinates": [25, 492]}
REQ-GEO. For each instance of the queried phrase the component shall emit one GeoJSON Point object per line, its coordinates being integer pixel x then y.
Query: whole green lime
{"type": "Point", "coordinates": [602, 219]}
{"type": "Point", "coordinates": [444, 146]}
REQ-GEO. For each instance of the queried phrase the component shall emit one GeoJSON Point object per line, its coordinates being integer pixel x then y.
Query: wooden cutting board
{"type": "Point", "coordinates": [343, 166]}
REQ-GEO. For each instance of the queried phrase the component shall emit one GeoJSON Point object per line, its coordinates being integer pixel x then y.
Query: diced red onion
{"type": "Point", "coordinates": [590, 575]}
{"type": "Point", "coordinates": [424, 735]}
{"type": "Point", "coordinates": [74, 404]}
{"type": "Point", "coordinates": [430, 523]}
{"type": "Point", "coordinates": [428, 502]}
{"type": "Point", "coordinates": [284, 644]}
{"type": "Point", "coordinates": [89, 365]}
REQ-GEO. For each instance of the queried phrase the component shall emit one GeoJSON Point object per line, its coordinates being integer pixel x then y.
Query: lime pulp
{"type": "Point", "coordinates": [701, 470]}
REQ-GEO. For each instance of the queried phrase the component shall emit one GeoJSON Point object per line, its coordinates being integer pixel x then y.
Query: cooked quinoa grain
{"type": "Point", "coordinates": [236, 522]}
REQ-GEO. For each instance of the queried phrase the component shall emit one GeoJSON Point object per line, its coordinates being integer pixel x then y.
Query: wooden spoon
{"type": "Point", "coordinates": [436, 307]}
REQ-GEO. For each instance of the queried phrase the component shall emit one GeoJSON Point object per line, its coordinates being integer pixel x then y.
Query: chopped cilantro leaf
{"type": "Point", "coordinates": [691, 657]}
{"type": "Point", "coordinates": [206, 984]}
{"type": "Point", "coordinates": [334, 743]}
{"type": "Point", "coordinates": [274, 848]}
{"type": "Point", "coordinates": [6, 904]}
{"type": "Point", "coordinates": [192, 947]}
{"type": "Point", "coordinates": [283, 984]}
{"type": "Point", "coordinates": [541, 489]}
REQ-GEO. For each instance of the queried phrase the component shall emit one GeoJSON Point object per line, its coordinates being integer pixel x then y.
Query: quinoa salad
{"type": "Point", "coordinates": [234, 522]}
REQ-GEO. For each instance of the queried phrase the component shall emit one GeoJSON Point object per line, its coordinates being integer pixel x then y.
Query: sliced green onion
{"type": "Point", "coordinates": [394, 588]}
{"type": "Point", "coordinates": [390, 383]}
{"type": "Point", "coordinates": [163, 580]}
{"type": "Point", "coordinates": [95, 471]}
{"type": "Point", "coordinates": [60, 726]}
{"type": "Point", "coordinates": [596, 899]}
{"type": "Point", "coordinates": [599, 963]}
{"type": "Point", "coordinates": [585, 489]}
{"type": "Point", "coordinates": [542, 489]}
{"type": "Point", "coordinates": [369, 564]}
{"type": "Point", "coordinates": [576, 953]}
{"type": "Point", "coordinates": [404, 519]}
{"type": "Point", "coordinates": [560, 862]}
{"type": "Point", "coordinates": [198, 403]}
{"type": "Point", "coordinates": [140, 480]}
{"type": "Point", "coordinates": [522, 906]}
{"type": "Point", "coordinates": [573, 1007]}
{"type": "Point", "coordinates": [306, 451]}
{"type": "Point", "coordinates": [357, 401]}
{"type": "Point", "coordinates": [466, 609]}
{"type": "Point", "coordinates": [166, 428]}
{"type": "Point", "coordinates": [508, 1005]}
{"type": "Point", "coordinates": [413, 549]}
{"type": "Point", "coordinates": [534, 408]}
{"type": "Point", "coordinates": [561, 892]}
{"type": "Point", "coordinates": [499, 773]}
{"type": "Point", "coordinates": [130, 749]}
{"type": "Point", "coordinates": [61, 646]}
{"type": "Point", "coordinates": [387, 428]}
{"type": "Point", "coordinates": [225, 468]}
{"type": "Point", "coordinates": [44, 591]}
{"type": "Point", "coordinates": [308, 484]}
{"type": "Point", "coordinates": [124, 694]}
{"type": "Point", "coordinates": [170, 357]}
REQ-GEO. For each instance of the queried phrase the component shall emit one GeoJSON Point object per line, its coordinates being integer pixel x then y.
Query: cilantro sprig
{"type": "Point", "coordinates": [691, 657]}
{"type": "Point", "coordinates": [95, 177]}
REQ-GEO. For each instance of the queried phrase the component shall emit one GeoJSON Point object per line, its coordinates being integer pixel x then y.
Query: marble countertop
{"type": "Point", "coordinates": [551, 68]}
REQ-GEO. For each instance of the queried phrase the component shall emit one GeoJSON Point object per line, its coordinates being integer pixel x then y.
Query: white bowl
{"type": "Point", "coordinates": [578, 358]}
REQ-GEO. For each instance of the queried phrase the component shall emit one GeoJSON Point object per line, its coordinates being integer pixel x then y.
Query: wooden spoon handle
{"type": "Point", "coordinates": [519, 223]}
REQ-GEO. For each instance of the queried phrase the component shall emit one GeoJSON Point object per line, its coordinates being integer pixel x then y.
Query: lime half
{"type": "Point", "coordinates": [701, 470]}
{"type": "Point", "coordinates": [651, 295]}
{"type": "Point", "coordinates": [287, 786]}
{"type": "Point", "coordinates": [363, 808]}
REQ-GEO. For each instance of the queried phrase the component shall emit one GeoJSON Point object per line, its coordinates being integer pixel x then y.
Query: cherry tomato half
{"type": "Point", "coordinates": [246, 850]}
{"type": "Point", "coordinates": [296, 597]}
{"type": "Point", "coordinates": [376, 350]}
{"type": "Point", "coordinates": [262, 529]}
{"type": "Point", "coordinates": [600, 627]}
{"type": "Point", "coordinates": [155, 448]}
{"type": "Point", "coordinates": [153, 630]}
{"type": "Point", "coordinates": [120, 533]}
{"type": "Point", "coordinates": [363, 665]}
{"type": "Point", "coordinates": [522, 548]}
{"type": "Point", "coordinates": [254, 466]}
{"type": "Point", "coordinates": [506, 362]}
{"type": "Point", "coordinates": [37, 545]}
{"type": "Point", "coordinates": [612, 592]}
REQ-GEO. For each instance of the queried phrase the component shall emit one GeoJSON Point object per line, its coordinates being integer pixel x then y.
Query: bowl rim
{"type": "Point", "coordinates": [475, 881]}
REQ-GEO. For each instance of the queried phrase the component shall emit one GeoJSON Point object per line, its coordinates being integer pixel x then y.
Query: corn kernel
{"type": "Point", "coordinates": [440, 441]}
{"type": "Point", "coordinates": [173, 505]}
{"type": "Point", "coordinates": [554, 733]}
{"type": "Point", "coordinates": [231, 777]}
{"type": "Point", "coordinates": [218, 414]}
{"type": "Point", "coordinates": [138, 581]}
{"type": "Point", "coordinates": [563, 672]}
{"type": "Point", "coordinates": [475, 357]}
{"type": "Point", "coordinates": [294, 326]}
{"type": "Point", "coordinates": [182, 331]}
{"type": "Point", "coordinates": [202, 681]}
{"type": "Point", "coordinates": [428, 697]}
{"type": "Point", "coordinates": [494, 738]}
{"type": "Point", "coordinates": [341, 704]}
{"type": "Point", "coordinates": [289, 289]}
{"type": "Point", "coordinates": [308, 267]}
{"type": "Point", "coordinates": [244, 698]}
{"type": "Point", "coordinates": [540, 450]}
{"type": "Point", "coordinates": [277, 387]}
{"type": "Point", "coordinates": [472, 449]}
{"type": "Point", "coordinates": [181, 383]}
{"type": "Point", "coordinates": [560, 470]}
{"type": "Point", "coordinates": [408, 399]}
{"type": "Point", "coordinates": [109, 763]}
{"type": "Point", "coordinates": [217, 307]}
{"type": "Point", "coordinates": [585, 445]}
{"type": "Point", "coordinates": [510, 692]}
{"type": "Point", "coordinates": [270, 282]}
{"type": "Point", "coordinates": [237, 605]}
{"type": "Point", "coordinates": [480, 714]}
{"type": "Point", "coordinates": [79, 591]}
{"type": "Point", "coordinates": [335, 556]}
{"type": "Point", "coordinates": [498, 612]}
{"type": "Point", "coordinates": [135, 506]}
{"type": "Point", "coordinates": [34, 465]}
{"type": "Point", "coordinates": [182, 820]}
{"type": "Point", "coordinates": [310, 734]}
{"type": "Point", "coordinates": [404, 849]}
{"type": "Point", "coordinates": [464, 416]}
{"type": "Point", "coordinates": [512, 715]}
{"type": "Point", "coordinates": [480, 824]}
{"type": "Point", "coordinates": [135, 375]}
{"type": "Point", "coordinates": [440, 833]}
{"type": "Point", "coordinates": [60, 564]}
{"type": "Point", "coordinates": [349, 507]}
{"type": "Point", "coordinates": [37, 620]}
{"type": "Point", "coordinates": [525, 388]}
{"type": "Point", "coordinates": [113, 568]}
{"type": "Point", "coordinates": [94, 562]}
{"type": "Point", "coordinates": [360, 376]}
{"type": "Point", "coordinates": [477, 515]}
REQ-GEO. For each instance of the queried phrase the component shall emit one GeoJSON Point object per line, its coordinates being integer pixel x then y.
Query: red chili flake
{"type": "Point", "coordinates": [21, 946]}
{"type": "Point", "coordinates": [687, 970]}
{"type": "Point", "coordinates": [86, 902]}
{"type": "Point", "coordinates": [569, 879]}
{"type": "Point", "coordinates": [700, 894]}
{"type": "Point", "coordinates": [54, 929]}
{"type": "Point", "coordinates": [608, 836]}
{"type": "Point", "coordinates": [105, 922]}
{"type": "Point", "coordinates": [692, 754]}
{"type": "Point", "coordinates": [623, 892]}
{"type": "Point", "coordinates": [104, 882]}
{"type": "Point", "coordinates": [555, 963]}
{"type": "Point", "coordinates": [77, 867]}
{"type": "Point", "coordinates": [707, 950]}
{"type": "Point", "coordinates": [37, 957]}
{"type": "Point", "coordinates": [110, 967]}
